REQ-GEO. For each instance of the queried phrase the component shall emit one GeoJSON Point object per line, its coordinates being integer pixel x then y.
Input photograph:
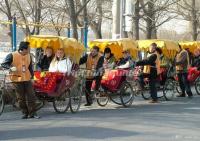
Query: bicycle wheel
{"type": "Point", "coordinates": [126, 94]}
{"type": "Point", "coordinates": [61, 104]}
{"type": "Point", "coordinates": [102, 98]}
{"type": "Point", "coordinates": [169, 89]}
{"type": "Point", "coordinates": [2, 104]}
{"type": "Point", "coordinates": [178, 89]}
{"type": "Point", "coordinates": [115, 98]}
{"type": "Point", "coordinates": [197, 85]}
{"type": "Point", "coordinates": [75, 98]}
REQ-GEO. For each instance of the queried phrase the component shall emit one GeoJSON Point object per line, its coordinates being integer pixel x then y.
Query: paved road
{"type": "Point", "coordinates": [176, 120]}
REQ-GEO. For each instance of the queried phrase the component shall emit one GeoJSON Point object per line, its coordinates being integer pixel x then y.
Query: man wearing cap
{"type": "Point", "coordinates": [126, 62]}
{"type": "Point", "coordinates": [20, 64]}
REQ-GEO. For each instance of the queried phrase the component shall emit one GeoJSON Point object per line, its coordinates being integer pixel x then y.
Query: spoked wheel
{"type": "Point", "coordinates": [61, 104]}
{"type": "Point", "coordinates": [136, 88]}
{"type": "Point", "coordinates": [178, 88]}
{"type": "Point", "coordinates": [1, 103]}
{"type": "Point", "coordinates": [126, 94]}
{"type": "Point", "coordinates": [145, 95]}
{"type": "Point", "coordinates": [115, 98]}
{"type": "Point", "coordinates": [102, 98]}
{"type": "Point", "coordinates": [169, 89]}
{"type": "Point", "coordinates": [75, 99]}
{"type": "Point", "coordinates": [197, 85]}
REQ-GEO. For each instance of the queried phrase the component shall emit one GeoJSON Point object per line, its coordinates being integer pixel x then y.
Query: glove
{"type": "Point", "coordinates": [13, 69]}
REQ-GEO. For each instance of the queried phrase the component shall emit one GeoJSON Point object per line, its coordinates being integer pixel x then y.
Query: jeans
{"type": "Point", "coordinates": [184, 84]}
{"type": "Point", "coordinates": [153, 89]}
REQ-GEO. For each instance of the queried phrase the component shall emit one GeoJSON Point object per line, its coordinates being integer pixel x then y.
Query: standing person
{"type": "Point", "coordinates": [109, 59]}
{"type": "Point", "coordinates": [182, 64]}
{"type": "Point", "coordinates": [151, 70]}
{"type": "Point", "coordinates": [20, 64]}
{"type": "Point", "coordinates": [94, 64]}
{"type": "Point", "coordinates": [45, 60]}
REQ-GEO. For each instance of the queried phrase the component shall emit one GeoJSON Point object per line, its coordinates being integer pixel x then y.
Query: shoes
{"type": "Point", "coordinates": [181, 95]}
{"type": "Point", "coordinates": [35, 116]}
{"type": "Point", "coordinates": [88, 104]}
{"type": "Point", "coordinates": [153, 101]}
{"type": "Point", "coordinates": [25, 116]}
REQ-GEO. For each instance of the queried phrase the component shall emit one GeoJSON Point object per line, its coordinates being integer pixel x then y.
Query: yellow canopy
{"type": "Point", "coordinates": [191, 45]}
{"type": "Point", "coordinates": [72, 47]}
{"type": "Point", "coordinates": [117, 46]}
{"type": "Point", "coordinates": [168, 47]}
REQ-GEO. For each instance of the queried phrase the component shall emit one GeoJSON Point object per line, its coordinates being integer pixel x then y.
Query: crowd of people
{"type": "Point", "coordinates": [153, 65]}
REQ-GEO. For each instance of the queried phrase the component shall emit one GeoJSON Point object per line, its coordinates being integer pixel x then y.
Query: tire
{"type": "Point", "coordinates": [178, 89]}
{"type": "Point", "coordinates": [137, 88]}
{"type": "Point", "coordinates": [2, 104]}
{"type": "Point", "coordinates": [126, 94]}
{"type": "Point", "coordinates": [197, 85]}
{"type": "Point", "coordinates": [115, 98]}
{"type": "Point", "coordinates": [102, 99]}
{"type": "Point", "coordinates": [169, 89]}
{"type": "Point", "coordinates": [146, 95]}
{"type": "Point", "coordinates": [75, 98]}
{"type": "Point", "coordinates": [61, 104]}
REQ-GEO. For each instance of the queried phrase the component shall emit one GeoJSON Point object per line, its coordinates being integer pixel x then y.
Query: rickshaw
{"type": "Point", "coordinates": [169, 49]}
{"type": "Point", "coordinates": [56, 87]}
{"type": "Point", "coordinates": [193, 73]}
{"type": "Point", "coordinates": [114, 83]}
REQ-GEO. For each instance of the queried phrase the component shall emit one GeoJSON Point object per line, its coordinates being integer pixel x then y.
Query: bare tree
{"type": "Point", "coordinates": [155, 13]}
{"type": "Point", "coordinates": [6, 8]}
{"type": "Point", "coordinates": [189, 10]}
{"type": "Point", "coordinates": [29, 9]}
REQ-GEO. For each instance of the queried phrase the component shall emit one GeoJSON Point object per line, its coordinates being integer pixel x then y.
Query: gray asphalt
{"type": "Point", "coordinates": [176, 120]}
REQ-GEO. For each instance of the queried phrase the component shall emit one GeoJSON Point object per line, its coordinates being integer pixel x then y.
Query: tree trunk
{"type": "Point", "coordinates": [194, 21]}
{"type": "Point", "coordinates": [136, 21]}
{"type": "Point", "coordinates": [150, 20]}
{"type": "Point", "coordinates": [73, 18]}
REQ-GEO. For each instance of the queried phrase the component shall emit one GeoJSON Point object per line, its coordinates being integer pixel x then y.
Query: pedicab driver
{"type": "Point", "coordinates": [151, 70]}
{"type": "Point", "coordinates": [94, 64]}
{"type": "Point", "coordinates": [20, 64]}
{"type": "Point", "coordinates": [182, 64]}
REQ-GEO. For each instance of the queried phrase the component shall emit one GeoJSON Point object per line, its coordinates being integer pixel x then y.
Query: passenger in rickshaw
{"type": "Point", "coordinates": [182, 64]}
{"type": "Point", "coordinates": [164, 66]}
{"type": "Point", "coordinates": [125, 62]}
{"type": "Point", "coordinates": [196, 62]}
{"type": "Point", "coordinates": [151, 70]}
{"type": "Point", "coordinates": [94, 65]}
{"type": "Point", "coordinates": [58, 67]}
{"type": "Point", "coordinates": [109, 59]}
{"type": "Point", "coordinates": [194, 70]}
{"type": "Point", "coordinates": [45, 59]}
{"type": "Point", "coordinates": [60, 62]}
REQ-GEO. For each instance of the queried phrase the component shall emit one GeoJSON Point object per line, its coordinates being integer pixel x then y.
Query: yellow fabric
{"type": "Point", "coordinates": [19, 61]}
{"type": "Point", "coordinates": [91, 65]}
{"type": "Point", "coordinates": [72, 47]}
{"type": "Point", "coordinates": [169, 48]}
{"type": "Point", "coordinates": [147, 68]}
{"type": "Point", "coordinates": [117, 46]}
{"type": "Point", "coordinates": [191, 45]}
